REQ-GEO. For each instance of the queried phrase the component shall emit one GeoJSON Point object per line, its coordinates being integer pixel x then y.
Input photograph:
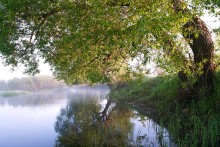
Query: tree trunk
{"type": "Point", "coordinates": [203, 50]}
{"type": "Point", "coordinates": [199, 38]}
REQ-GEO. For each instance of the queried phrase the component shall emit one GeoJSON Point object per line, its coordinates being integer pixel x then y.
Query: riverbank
{"type": "Point", "coordinates": [191, 124]}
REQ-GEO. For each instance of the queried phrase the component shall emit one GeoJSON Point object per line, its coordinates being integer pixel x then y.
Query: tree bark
{"type": "Point", "coordinates": [203, 50]}
{"type": "Point", "coordinates": [200, 41]}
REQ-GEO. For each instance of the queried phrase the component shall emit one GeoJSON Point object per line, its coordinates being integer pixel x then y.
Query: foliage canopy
{"type": "Point", "coordinates": [95, 41]}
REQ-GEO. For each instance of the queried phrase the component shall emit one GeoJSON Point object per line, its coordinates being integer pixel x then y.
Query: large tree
{"type": "Point", "coordinates": [198, 36]}
{"type": "Point", "coordinates": [95, 41]}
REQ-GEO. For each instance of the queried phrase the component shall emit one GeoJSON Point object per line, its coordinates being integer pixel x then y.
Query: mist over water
{"type": "Point", "coordinates": [45, 119]}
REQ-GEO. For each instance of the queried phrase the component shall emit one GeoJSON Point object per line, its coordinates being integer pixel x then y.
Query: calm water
{"type": "Point", "coordinates": [78, 116]}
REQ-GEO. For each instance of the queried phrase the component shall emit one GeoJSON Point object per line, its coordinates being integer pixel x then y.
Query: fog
{"type": "Point", "coordinates": [53, 96]}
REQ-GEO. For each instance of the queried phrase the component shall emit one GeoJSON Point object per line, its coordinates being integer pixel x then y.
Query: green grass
{"type": "Point", "coordinates": [12, 93]}
{"type": "Point", "coordinates": [191, 125]}
{"type": "Point", "coordinates": [151, 91]}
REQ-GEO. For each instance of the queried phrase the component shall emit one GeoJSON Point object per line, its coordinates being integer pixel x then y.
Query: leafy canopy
{"type": "Point", "coordinates": [95, 40]}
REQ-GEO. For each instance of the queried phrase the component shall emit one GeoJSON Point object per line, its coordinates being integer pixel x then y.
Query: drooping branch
{"type": "Point", "coordinates": [45, 17]}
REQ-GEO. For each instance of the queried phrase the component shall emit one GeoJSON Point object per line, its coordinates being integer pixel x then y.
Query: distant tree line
{"type": "Point", "coordinates": [32, 83]}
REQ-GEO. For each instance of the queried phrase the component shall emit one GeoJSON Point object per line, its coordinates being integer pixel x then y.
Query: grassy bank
{"type": "Point", "coordinates": [192, 124]}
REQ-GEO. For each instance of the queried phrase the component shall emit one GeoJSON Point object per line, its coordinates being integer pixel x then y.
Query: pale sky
{"type": "Point", "coordinates": [6, 73]}
{"type": "Point", "coordinates": [212, 22]}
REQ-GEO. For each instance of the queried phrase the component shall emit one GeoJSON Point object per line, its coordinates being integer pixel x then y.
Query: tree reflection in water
{"type": "Point", "coordinates": [88, 123]}
{"type": "Point", "coordinates": [89, 119]}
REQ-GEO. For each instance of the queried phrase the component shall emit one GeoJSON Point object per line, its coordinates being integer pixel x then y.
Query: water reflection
{"type": "Point", "coordinates": [85, 124]}
{"type": "Point", "coordinates": [98, 121]}
{"type": "Point", "coordinates": [34, 99]}
{"type": "Point", "coordinates": [81, 116]}
{"type": "Point", "coordinates": [27, 121]}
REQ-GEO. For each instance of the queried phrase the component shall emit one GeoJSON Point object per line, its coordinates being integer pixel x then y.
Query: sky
{"type": "Point", "coordinates": [211, 22]}
{"type": "Point", "coordinates": [6, 73]}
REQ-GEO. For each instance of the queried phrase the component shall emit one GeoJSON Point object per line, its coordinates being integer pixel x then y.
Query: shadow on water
{"type": "Point", "coordinates": [91, 119]}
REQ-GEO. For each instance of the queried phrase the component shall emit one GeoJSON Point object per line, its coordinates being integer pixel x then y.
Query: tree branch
{"type": "Point", "coordinates": [45, 17]}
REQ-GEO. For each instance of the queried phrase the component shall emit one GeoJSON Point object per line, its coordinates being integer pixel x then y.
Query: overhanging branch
{"type": "Point", "coordinates": [45, 17]}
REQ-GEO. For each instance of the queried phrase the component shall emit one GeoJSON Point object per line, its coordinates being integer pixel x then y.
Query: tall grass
{"type": "Point", "coordinates": [192, 124]}
{"type": "Point", "coordinates": [155, 88]}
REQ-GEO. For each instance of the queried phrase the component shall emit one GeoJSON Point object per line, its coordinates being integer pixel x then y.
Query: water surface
{"type": "Point", "coordinates": [81, 116]}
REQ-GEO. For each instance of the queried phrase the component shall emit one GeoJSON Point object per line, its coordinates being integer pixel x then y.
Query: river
{"type": "Point", "coordinates": [78, 116]}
